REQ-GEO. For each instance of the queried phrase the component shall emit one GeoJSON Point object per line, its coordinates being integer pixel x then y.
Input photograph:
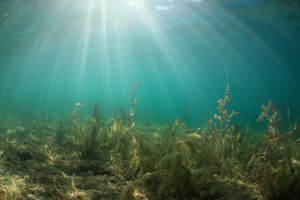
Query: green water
{"type": "Point", "coordinates": [54, 54]}
{"type": "Point", "coordinates": [149, 99]}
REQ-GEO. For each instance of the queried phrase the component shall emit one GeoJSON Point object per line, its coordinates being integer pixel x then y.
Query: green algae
{"type": "Point", "coordinates": [119, 159]}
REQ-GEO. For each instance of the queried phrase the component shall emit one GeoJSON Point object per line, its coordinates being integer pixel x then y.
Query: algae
{"type": "Point", "coordinates": [121, 159]}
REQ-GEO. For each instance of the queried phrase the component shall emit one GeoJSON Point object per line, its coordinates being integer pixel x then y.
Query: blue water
{"type": "Point", "coordinates": [53, 55]}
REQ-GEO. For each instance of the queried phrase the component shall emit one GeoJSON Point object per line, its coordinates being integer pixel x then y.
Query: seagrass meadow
{"type": "Point", "coordinates": [149, 99]}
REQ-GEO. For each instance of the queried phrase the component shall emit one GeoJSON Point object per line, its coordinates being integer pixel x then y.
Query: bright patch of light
{"type": "Point", "coordinates": [130, 3]}
{"type": "Point", "coordinates": [133, 4]}
{"type": "Point", "coordinates": [162, 8]}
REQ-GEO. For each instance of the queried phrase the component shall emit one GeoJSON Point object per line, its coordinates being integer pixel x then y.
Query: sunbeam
{"type": "Point", "coordinates": [149, 99]}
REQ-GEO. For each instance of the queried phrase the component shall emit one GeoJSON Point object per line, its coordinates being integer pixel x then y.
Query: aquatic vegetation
{"type": "Point", "coordinates": [76, 119]}
{"type": "Point", "coordinates": [90, 148]}
{"type": "Point", "coordinates": [119, 159]}
{"type": "Point", "coordinates": [59, 58]}
{"type": "Point", "coordinates": [60, 134]}
{"type": "Point", "coordinates": [276, 163]}
{"type": "Point", "coordinates": [133, 104]}
{"type": "Point", "coordinates": [271, 115]}
{"type": "Point", "coordinates": [224, 116]}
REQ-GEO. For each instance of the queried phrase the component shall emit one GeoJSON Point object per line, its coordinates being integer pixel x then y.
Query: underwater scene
{"type": "Point", "coordinates": [150, 99]}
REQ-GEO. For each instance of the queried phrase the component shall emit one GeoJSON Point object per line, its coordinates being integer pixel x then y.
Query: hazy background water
{"type": "Point", "coordinates": [56, 53]}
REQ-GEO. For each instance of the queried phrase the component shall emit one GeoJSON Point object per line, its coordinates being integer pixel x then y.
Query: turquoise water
{"type": "Point", "coordinates": [53, 55]}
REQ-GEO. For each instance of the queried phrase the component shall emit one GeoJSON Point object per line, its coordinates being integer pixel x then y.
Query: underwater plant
{"type": "Point", "coordinates": [75, 127]}
{"type": "Point", "coordinates": [224, 117]}
{"type": "Point", "coordinates": [275, 165]}
{"type": "Point", "coordinates": [133, 104]}
{"type": "Point", "coordinates": [90, 148]}
{"type": "Point", "coordinates": [59, 134]}
{"type": "Point", "coordinates": [270, 113]}
{"type": "Point", "coordinates": [141, 161]}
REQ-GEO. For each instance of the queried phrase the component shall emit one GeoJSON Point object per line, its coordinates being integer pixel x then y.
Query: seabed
{"type": "Point", "coordinates": [122, 159]}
